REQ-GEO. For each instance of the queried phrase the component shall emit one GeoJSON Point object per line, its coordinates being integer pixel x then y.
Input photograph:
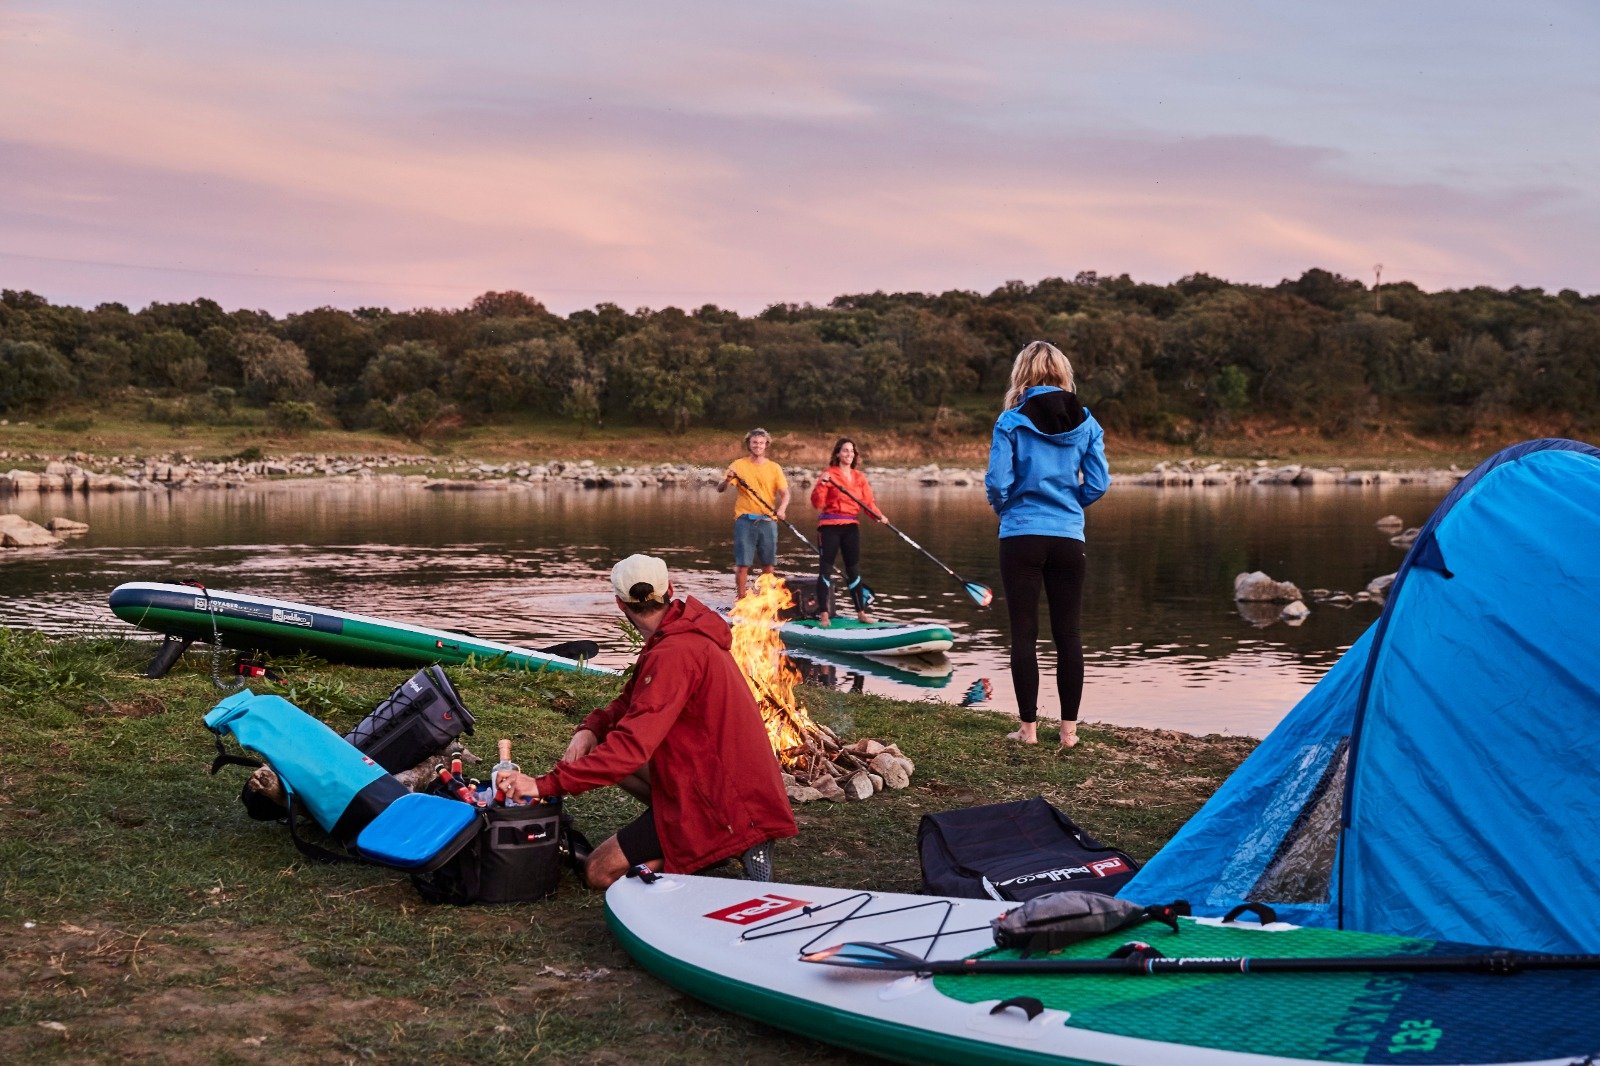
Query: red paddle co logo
{"type": "Point", "coordinates": [754, 910]}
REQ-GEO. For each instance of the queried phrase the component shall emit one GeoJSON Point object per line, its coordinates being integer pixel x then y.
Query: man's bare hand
{"type": "Point", "coordinates": [583, 742]}
{"type": "Point", "coordinates": [518, 787]}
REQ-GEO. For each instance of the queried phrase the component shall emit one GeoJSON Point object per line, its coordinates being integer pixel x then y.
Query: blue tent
{"type": "Point", "coordinates": [1443, 779]}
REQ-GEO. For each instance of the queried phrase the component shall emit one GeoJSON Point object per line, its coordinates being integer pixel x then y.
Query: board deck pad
{"type": "Point", "coordinates": [736, 944]}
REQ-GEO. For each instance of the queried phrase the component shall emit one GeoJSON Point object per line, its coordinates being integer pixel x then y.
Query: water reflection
{"type": "Point", "coordinates": [1164, 643]}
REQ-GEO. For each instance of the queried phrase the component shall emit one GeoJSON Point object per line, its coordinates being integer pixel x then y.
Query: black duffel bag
{"type": "Point", "coordinates": [417, 720]}
{"type": "Point", "coordinates": [1015, 851]}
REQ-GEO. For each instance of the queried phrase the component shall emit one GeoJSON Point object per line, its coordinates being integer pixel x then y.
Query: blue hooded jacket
{"type": "Point", "coordinates": [1039, 450]}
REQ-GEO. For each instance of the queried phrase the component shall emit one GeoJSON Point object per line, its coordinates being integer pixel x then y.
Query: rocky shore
{"type": "Point", "coordinates": [84, 473]}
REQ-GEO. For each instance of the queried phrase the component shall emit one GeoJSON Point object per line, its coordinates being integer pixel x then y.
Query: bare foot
{"type": "Point", "coordinates": [823, 620]}
{"type": "Point", "coordinates": [1069, 734]}
{"type": "Point", "coordinates": [865, 618]}
{"type": "Point", "coordinates": [1026, 733]}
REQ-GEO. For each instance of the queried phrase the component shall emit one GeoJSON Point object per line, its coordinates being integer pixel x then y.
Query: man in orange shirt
{"type": "Point", "coordinates": [761, 502]}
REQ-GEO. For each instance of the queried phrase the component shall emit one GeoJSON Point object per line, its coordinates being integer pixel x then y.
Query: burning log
{"type": "Point", "coordinates": [822, 764]}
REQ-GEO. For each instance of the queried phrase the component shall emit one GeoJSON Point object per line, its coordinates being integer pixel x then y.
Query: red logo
{"type": "Point", "coordinates": [754, 910]}
{"type": "Point", "coordinates": [1107, 867]}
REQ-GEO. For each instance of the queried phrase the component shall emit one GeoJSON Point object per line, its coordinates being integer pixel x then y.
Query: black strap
{"type": "Point", "coordinates": [1265, 914]}
{"type": "Point", "coordinates": [314, 852]}
{"type": "Point", "coordinates": [224, 758]}
{"type": "Point", "coordinates": [1026, 1004]}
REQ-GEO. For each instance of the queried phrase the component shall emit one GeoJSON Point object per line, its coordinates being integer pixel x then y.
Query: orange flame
{"type": "Point", "coordinates": [758, 650]}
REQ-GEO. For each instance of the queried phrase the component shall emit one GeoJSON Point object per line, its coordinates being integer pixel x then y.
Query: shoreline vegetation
{"type": "Point", "coordinates": [125, 458]}
{"type": "Point", "coordinates": [145, 912]}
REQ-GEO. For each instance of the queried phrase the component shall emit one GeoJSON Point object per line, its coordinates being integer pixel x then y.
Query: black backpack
{"type": "Point", "coordinates": [1015, 851]}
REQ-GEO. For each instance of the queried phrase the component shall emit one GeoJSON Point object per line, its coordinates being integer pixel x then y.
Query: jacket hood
{"type": "Point", "coordinates": [689, 615]}
{"type": "Point", "coordinates": [1053, 414]}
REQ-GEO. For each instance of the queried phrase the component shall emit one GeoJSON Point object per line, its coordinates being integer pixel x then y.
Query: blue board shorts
{"type": "Point", "coordinates": [755, 541]}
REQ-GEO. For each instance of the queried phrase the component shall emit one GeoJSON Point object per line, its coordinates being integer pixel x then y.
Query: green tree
{"type": "Point", "coordinates": [32, 376]}
{"type": "Point", "coordinates": [338, 344]}
{"type": "Point", "coordinates": [665, 370]}
{"type": "Point", "coordinates": [103, 364]}
{"type": "Point", "coordinates": [272, 369]}
{"type": "Point", "coordinates": [400, 369]}
{"type": "Point", "coordinates": [169, 359]}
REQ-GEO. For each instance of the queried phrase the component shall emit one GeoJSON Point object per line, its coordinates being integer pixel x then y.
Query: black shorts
{"type": "Point", "coordinates": [638, 839]}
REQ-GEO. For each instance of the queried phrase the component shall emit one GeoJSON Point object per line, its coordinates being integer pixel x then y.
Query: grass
{"type": "Point", "coordinates": [146, 918]}
{"type": "Point", "coordinates": [121, 430]}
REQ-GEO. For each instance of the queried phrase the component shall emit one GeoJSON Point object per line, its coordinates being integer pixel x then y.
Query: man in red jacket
{"type": "Point", "coordinates": [685, 736]}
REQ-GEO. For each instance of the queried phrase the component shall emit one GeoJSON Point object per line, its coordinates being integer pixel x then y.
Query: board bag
{"type": "Point", "coordinates": [417, 719]}
{"type": "Point", "coordinates": [373, 816]}
{"type": "Point", "coordinates": [1015, 851]}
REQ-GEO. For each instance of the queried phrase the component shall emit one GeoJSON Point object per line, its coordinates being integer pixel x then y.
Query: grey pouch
{"type": "Point", "coordinates": [1051, 922]}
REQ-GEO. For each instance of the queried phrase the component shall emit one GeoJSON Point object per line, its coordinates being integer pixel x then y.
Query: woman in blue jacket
{"type": "Point", "coordinates": [1047, 462]}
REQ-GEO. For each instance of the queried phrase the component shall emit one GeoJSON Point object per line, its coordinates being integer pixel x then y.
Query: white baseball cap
{"type": "Point", "coordinates": [641, 579]}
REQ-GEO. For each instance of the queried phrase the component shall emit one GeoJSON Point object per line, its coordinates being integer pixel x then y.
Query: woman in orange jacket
{"type": "Point", "coordinates": [838, 525]}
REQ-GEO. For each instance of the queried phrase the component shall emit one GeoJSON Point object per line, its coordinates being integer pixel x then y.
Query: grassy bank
{"type": "Point", "coordinates": [145, 917]}
{"type": "Point", "coordinates": [121, 431]}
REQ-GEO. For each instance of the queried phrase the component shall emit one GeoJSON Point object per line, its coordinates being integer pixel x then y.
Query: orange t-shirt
{"type": "Point", "coordinates": [765, 478]}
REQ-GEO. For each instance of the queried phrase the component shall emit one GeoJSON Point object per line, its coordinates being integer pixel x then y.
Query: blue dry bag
{"type": "Point", "coordinates": [351, 797]}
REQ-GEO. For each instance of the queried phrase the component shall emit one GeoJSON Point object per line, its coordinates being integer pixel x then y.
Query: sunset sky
{"type": "Point", "coordinates": [289, 155]}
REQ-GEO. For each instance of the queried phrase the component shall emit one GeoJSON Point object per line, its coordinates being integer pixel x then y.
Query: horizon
{"type": "Point", "coordinates": [417, 156]}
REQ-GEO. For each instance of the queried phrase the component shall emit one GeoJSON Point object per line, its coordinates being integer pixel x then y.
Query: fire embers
{"type": "Point", "coordinates": [817, 764]}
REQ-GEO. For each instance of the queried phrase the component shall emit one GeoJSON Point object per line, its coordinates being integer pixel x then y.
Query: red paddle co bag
{"type": "Point", "coordinates": [1015, 851]}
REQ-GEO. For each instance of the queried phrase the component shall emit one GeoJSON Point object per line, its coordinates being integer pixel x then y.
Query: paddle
{"type": "Point", "coordinates": [571, 649]}
{"type": "Point", "coordinates": [982, 595]}
{"type": "Point", "coordinates": [1137, 959]}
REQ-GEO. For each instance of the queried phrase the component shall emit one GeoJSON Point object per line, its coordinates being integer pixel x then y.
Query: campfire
{"type": "Point", "coordinates": [817, 764]}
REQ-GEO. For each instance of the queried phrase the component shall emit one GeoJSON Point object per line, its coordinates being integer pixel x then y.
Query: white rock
{"type": "Point", "coordinates": [1257, 587]}
{"type": "Point", "coordinates": [18, 532]}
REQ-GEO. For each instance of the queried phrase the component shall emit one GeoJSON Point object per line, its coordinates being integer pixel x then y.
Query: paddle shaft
{"type": "Point", "coordinates": [902, 535]}
{"type": "Point", "coordinates": [1139, 965]}
{"type": "Point", "coordinates": [773, 511]}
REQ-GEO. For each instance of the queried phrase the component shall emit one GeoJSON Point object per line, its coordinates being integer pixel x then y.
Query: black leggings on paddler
{"type": "Point", "coordinates": [1056, 565]}
{"type": "Point", "coordinates": [843, 541]}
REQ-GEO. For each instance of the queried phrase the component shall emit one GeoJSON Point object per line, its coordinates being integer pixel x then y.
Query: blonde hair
{"type": "Point", "coordinates": [1039, 363]}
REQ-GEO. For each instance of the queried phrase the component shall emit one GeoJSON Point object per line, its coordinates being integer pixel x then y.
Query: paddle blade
{"type": "Point", "coordinates": [982, 595]}
{"type": "Point", "coordinates": [863, 956]}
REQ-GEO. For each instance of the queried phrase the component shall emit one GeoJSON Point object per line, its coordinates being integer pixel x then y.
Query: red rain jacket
{"type": "Point", "coordinates": [834, 507]}
{"type": "Point", "coordinates": [687, 711]}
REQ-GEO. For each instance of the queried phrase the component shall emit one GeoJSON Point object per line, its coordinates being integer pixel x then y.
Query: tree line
{"type": "Point", "coordinates": [1174, 361]}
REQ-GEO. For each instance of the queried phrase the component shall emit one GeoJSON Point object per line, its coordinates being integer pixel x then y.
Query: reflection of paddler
{"type": "Point", "coordinates": [762, 497]}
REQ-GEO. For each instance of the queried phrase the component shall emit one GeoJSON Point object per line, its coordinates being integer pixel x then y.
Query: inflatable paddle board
{"type": "Point", "coordinates": [735, 944]}
{"type": "Point", "coordinates": [867, 638]}
{"type": "Point", "coordinates": [188, 612]}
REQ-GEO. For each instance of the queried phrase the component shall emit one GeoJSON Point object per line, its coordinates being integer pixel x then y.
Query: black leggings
{"type": "Point", "coordinates": [842, 541]}
{"type": "Point", "coordinates": [1056, 564]}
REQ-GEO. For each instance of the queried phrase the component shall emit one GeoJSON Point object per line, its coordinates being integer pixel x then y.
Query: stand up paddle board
{"type": "Point", "coordinates": [736, 945]}
{"type": "Point", "coordinates": [867, 638]}
{"type": "Point", "coordinates": [189, 613]}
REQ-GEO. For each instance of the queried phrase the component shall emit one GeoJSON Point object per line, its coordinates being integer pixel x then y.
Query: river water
{"type": "Point", "coordinates": [1165, 645]}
